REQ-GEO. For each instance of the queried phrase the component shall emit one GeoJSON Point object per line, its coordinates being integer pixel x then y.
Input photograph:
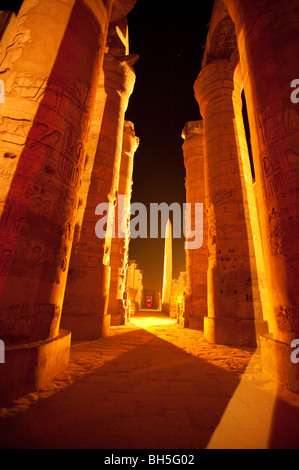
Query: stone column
{"type": "Point", "coordinates": [49, 64]}
{"type": "Point", "coordinates": [196, 259]}
{"type": "Point", "coordinates": [120, 246]}
{"type": "Point", "coordinates": [87, 293]}
{"type": "Point", "coordinates": [266, 34]}
{"type": "Point", "coordinates": [234, 299]}
{"type": "Point", "coordinates": [167, 272]}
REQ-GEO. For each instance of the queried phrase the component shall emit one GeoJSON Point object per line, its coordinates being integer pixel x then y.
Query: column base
{"type": "Point", "coordinates": [165, 308]}
{"type": "Point", "coordinates": [233, 332]}
{"type": "Point", "coordinates": [29, 367]}
{"type": "Point", "coordinates": [173, 313]}
{"type": "Point", "coordinates": [194, 314]}
{"type": "Point", "coordinates": [195, 323]}
{"type": "Point", "coordinates": [118, 319]}
{"type": "Point", "coordinates": [87, 327]}
{"type": "Point", "coordinates": [277, 364]}
{"type": "Point", "coordinates": [119, 315]}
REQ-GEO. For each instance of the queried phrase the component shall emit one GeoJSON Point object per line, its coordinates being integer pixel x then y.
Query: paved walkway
{"type": "Point", "coordinates": [153, 385]}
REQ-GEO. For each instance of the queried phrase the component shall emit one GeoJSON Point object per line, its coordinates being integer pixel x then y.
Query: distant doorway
{"type": "Point", "coordinates": [149, 301]}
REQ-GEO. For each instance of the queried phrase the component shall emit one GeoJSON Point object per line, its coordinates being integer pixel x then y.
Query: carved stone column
{"type": "Point", "coordinates": [49, 64]}
{"type": "Point", "coordinates": [196, 259]}
{"type": "Point", "coordinates": [87, 293]}
{"type": "Point", "coordinates": [120, 246]}
{"type": "Point", "coordinates": [234, 299]}
{"type": "Point", "coordinates": [167, 269]}
{"type": "Point", "coordinates": [266, 33]}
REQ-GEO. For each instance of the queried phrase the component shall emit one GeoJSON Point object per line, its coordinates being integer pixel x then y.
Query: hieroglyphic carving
{"type": "Point", "coordinates": [287, 318]}
{"type": "Point", "coordinates": [25, 85]}
{"type": "Point", "coordinates": [35, 256]}
{"type": "Point", "coordinates": [14, 51]}
{"type": "Point", "coordinates": [14, 130]}
{"type": "Point", "coordinates": [24, 321]}
{"type": "Point", "coordinates": [49, 134]}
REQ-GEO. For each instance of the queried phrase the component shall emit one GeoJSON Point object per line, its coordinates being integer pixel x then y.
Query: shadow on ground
{"type": "Point", "coordinates": [138, 391]}
{"type": "Point", "coordinates": [153, 396]}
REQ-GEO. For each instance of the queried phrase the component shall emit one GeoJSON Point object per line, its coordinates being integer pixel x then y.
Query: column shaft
{"type": "Point", "coordinates": [86, 298]}
{"type": "Point", "coordinates": [234, 297]}
{"type": "Point", "coordinates": [266, 34]}
{"type": "Point", "coordinates": [50, 66]}
{"type": "Point", "coordinates": [120, 246]}
{"type": "Point", "coordinates": [50, 59]}
{"type": "Point", "coordinates": [196, 259]}
{"type": "Point", "coordinates": [167, 271]}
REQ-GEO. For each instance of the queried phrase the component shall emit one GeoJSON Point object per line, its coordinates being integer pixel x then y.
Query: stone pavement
{"type": "Point", "coordinates": [153, 385]}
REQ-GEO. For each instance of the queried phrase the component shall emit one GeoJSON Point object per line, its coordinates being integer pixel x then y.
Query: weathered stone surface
{"type": "Point", "coordinates": [7, 18]}
{"type": "Point", "coordinates": [177, 299]}
{"type": "Point", "coordinates": [196, 259]}
{"type": "Point", "coordinates": [134, 285]}
{"type": "Point", "coordinates": [49, 67]}
{"type": "Point", "coordinates": [121, 8]}
{"type": "Point", "coordinates": [87, 293]}
{"type": "Point", "coordinates": [167, 270]}
{"type": "Point", "coordinates": [266, 42]}
{"type": "Point", "coordinates": [234, 292]}
{"type": "Point", "coordinates": [29, 367]}
{"type": "Point", "coordinates": [277, 364]}
{"type": "Point", "coordinates": [120, 245]}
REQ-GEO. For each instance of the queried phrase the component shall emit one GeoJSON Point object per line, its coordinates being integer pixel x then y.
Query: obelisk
{"type": "Point", "coordinates": [167, 273]}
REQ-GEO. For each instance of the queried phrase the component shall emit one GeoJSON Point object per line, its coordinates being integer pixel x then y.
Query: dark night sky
{"type": "Point", "coordinates": [169, 36]}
